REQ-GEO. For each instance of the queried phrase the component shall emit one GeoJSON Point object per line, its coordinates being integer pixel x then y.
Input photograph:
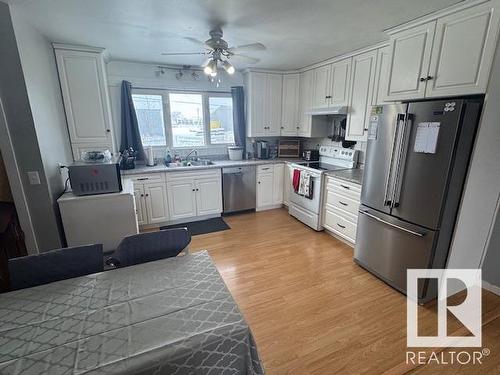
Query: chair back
{"type": "Point", "coordinates": [55, 265]}
{"type": "Point", "coordinates": [147, 247]}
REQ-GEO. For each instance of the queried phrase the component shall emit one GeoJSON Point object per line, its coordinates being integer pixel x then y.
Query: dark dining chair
{"type": "Point", "coordinates": [147, 247]}
{"type": "Point", "coordinates": [55, 265]}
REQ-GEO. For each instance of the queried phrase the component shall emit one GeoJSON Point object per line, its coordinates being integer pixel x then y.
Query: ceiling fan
{"type": "Point", "coordinates": [219, 53]}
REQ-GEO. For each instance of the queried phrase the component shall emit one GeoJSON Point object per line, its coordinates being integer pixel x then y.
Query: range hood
{"type": "Point", "coordinates": [340, 110]}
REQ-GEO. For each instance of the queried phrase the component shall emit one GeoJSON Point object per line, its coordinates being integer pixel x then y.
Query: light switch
{"type": "Point", "coordinates": [34, 178]}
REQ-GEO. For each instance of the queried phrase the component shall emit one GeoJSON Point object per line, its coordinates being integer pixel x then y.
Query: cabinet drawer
{"type": "Point", "coordinates": [346, 188]}
{"type": "Point", "coordinates": [339, 225]}
{"type": "Point", "coordinates": [266, 168]}
{"type": "Point", "coordinates": [144, 178]}
{"type": "Point", "coordinates": [342, 202]}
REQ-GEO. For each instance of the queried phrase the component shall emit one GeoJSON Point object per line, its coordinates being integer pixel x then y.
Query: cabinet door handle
{"type": "Point", "coordinates": [142, 195]}
{"type": "Point", "coordinates": [428, 78]}
{"type": "Point", "coordinates": [194, 189]}
{"type": "Point", "coordinates": [143, 179]}
{"type": "Point", "coordinates": [197, 189]}
{"type": "Point", "coordinates": [258, 182]}
{"type": "Point", "coordinates": [340, 225]}
{"type": "Point", "coordinates": [282, 127]}
{"type": "Point", "coordinates": [328, 97]}
{"type": "Point", "coordinates": [345, 187]}
{"type": "Point", "coordinates": [343, 203]}
{"type": "Point", "coordinates": [147, 195]}
{"type": "Point", "coordinates": [108, 130]}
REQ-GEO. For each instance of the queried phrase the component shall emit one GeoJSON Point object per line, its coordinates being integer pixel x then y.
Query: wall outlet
{"type": "Point", "coordinates": [34, 178]}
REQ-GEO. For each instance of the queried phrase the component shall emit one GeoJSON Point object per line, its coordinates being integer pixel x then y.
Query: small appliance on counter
{"type": "Point", "coordinates": [262, 149]}
{"type": "Point", "coordinates": [310, 155]}
{"type": "Point", "coordinates": [235, 152]}
{"type": "Point", "coordinates": [127, 159]}
{"type": "Point", "coordinates": [89, 178]}
{"type": "Point", "coordinates": [288, 148]}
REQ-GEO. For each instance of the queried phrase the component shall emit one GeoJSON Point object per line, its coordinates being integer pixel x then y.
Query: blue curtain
{"type": "Point", "coordinates": [131, 137]}
{"type": "Point", "coordinates": [239, 125]}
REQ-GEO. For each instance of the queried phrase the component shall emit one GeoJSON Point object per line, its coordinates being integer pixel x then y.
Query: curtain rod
{"type": "Point", "coordinates": [165, 89]}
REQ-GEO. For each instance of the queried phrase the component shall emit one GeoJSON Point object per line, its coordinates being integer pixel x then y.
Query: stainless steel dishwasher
{"type": "Point", "coordinates": [238, 188]}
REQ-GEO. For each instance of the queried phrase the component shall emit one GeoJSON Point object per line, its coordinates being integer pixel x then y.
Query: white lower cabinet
{"type": "Point", "coordinates": [193, 194]}
{"type": "Point", "coordinates": [269, 186]}
{"type": "Point", "coordinates": [208, 196]}
{"type": "Point", "coordinates": [156, 202]}
{"type": "Point", "coordinates": [150, 193]}
{"type": "Point", "coordinates": [340, 210]}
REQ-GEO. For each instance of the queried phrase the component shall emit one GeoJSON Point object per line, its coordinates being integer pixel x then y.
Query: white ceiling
{"type": "Point", "coordinates": [296, 33]}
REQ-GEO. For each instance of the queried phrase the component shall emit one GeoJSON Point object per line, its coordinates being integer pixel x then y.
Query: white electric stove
{"type": "Point", "coordinates": [308, 210]}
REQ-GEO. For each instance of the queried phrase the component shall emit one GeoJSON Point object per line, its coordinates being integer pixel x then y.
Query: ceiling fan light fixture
{"type": "Point", "coordinates": [228, 67]}
{"type": "Point", "coordinates": [211, 68]}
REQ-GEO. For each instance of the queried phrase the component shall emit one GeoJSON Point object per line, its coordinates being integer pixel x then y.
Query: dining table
{"type": "Point", "coordinates": [170, 316]}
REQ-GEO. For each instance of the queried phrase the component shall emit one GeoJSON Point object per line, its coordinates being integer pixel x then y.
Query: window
{"type": "Point", "coordinates": [184, 119]}
{"type": "Point", "coordinates": [221, 119]}
{"type": "Point", "coordinates": [149, 111]}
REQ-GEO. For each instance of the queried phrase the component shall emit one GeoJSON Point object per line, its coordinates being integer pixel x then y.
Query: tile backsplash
{"type": "Point", "coordinates": [315, 143]}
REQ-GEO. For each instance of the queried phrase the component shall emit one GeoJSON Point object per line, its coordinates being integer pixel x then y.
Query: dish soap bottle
{"type": "Point", "coordinates": [168, 157]}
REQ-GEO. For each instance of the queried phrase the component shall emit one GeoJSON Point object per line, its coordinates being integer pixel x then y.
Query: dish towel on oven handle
{"type": "Point", "coordinates": [296, 180]}
{"type": "Point", "coordinates": [305, 185]}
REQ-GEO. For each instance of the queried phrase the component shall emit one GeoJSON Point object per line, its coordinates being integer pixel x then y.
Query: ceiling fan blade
{"type": "Point", "coordinates": [182, 53]}
{"type": "Point", "coordinates": [251, 60]}
{"type": "Point", "coordinates": [194, 40]}
{"type": "Point", "coordinates": [247, 48]}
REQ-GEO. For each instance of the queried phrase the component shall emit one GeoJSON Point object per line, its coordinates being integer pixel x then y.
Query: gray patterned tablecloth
{"type": "Point", "coordinates": [173, 316]}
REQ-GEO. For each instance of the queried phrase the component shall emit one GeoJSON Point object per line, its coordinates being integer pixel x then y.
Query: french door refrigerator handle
{"type": "Point", "coordinates": [418, 234]}
{"type": "Point", "coordinates": [401, 159]}
{"type": "Point", "coordinates": [387, 202]}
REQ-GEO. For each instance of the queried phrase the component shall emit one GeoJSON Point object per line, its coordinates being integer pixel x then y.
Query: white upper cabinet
{"type": "Point", "coordinates": [85, 95]}
{"type": "Point", "coordinates": [264, 93]}
{"type": "Point", "coordinates": [322, 86]}
{"type": "Point", "coordinates": [256, 97]}
{"type": "Point", "coordinates": [361, 97]}
{"type": "Point", "coordinates": [449, 55]}
{"type": "Point", "coordinates": [409, 63]}
{"type": "Point", "coordinates": [340, 83]}
{"type": "Point", "coordinates": [381, 75]}
{"type": "Point", "coordinates": [331, 84]}
{"type": "Point", "coordinates": [272, 120]}
{"type": "Point", "coordinates": [305, 102]}
{"type": "Point", "coordinates": [290, 105]}
{"type": "Point", "coordinates": [463, 52]}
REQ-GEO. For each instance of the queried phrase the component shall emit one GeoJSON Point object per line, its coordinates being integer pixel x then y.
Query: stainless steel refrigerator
{"type": "Point", "coordinates": [416, 165]}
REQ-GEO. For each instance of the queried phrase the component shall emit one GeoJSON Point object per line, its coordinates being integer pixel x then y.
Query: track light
{"type": "Point", "coordinates": [228, 67]}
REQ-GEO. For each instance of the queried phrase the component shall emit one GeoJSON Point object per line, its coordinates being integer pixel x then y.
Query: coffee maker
{"type": "Point", "coordinates": [262, 150]}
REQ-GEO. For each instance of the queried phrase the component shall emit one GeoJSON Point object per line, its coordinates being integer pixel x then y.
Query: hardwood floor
{"type": "Point", "coordinates": [313, 311]}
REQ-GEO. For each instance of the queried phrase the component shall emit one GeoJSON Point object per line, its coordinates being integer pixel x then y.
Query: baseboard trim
{"type": "Point", "coordinates": [491, 288]}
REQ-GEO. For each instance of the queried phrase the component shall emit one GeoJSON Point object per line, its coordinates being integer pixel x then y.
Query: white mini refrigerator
{"type": "Point", "coordinates": [102, 218]}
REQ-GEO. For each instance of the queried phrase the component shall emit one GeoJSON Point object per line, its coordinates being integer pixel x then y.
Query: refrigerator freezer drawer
{"type": "Point", "coordinates": [388, 247]}
{"type": "Point", "coordinates": [340, 225]}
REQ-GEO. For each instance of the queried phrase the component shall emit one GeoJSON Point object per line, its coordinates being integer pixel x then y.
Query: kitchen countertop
{"type": "Point", "coordinates": [352, 175]}
{"type": "Point", "coordinates": [143, 169]}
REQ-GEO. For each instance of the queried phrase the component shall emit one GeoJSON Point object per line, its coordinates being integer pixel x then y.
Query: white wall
{"type": "Point", "coordinates": [482, 191]}
{"type": "Point", "coordinates": [44, 93]}
{"type": "Point", "coordinates": [25, 147]}
{"type": "Point", "coordinates": [147, 76]}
